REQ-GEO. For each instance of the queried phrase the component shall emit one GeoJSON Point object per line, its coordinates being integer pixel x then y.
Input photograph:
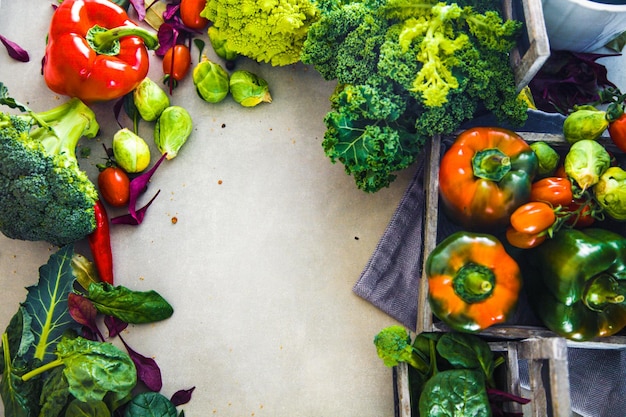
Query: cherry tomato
{"type": "Point", "coordinates": [533, 217]}
{"type": "Point", "coordinates": [114, 186]}
{"type": "Point", "coordinates": [176, 62]}
{"type": "Point", "coordinates": [524, 240]}
{"type": "Point", "coordinates": [556, 191]}
{"type": "Point", "coordinates": [190, 14]}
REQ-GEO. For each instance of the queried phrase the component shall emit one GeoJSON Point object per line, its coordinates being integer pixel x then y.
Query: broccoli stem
{"type": "Point", "coordinates": [61, 128]}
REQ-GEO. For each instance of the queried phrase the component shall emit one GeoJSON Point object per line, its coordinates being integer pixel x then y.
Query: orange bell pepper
{"type": "Point", "coordinates": [94, 51]}
{"type": "Point", "coordinates": [473, 283]}
{"type": "Point", "coordinates": [484, 176]}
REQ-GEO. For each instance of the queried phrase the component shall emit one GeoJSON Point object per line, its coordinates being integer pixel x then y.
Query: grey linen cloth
{"type": "Point", "coordinates": [390, 282]}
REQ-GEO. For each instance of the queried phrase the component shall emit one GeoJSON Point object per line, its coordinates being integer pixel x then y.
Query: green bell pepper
{"type": "Point", "coordinates": [578, 283]}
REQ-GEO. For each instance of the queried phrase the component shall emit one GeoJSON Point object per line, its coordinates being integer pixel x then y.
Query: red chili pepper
{"type": "Point", "coordinates": [94, 51]}
{"type": "Point", "coordinates": [100, 244]}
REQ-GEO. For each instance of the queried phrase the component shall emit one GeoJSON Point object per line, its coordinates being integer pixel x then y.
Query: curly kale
{"type": "Point", "coordinates": [439, 63]}
{"type": "Point", "coordinates": [44, 195]}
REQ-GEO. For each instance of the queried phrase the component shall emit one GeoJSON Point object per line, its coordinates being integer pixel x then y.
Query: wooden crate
{"type": "Point", "coordinates": [536, 344]}
{"type": "Point", "coordinates": [533, 49]}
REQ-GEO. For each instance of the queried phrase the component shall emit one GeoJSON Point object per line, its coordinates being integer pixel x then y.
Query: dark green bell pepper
{"type": "Point", "coordinates": [578, 283]}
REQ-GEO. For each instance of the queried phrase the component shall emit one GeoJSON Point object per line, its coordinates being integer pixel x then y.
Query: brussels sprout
{"type": "Point", "coordinates": [150, 99]}
{"type": "Point", "coordinates": [219, 44]}
{"type": "Point", "coordinates": [131, 152]}
{"type": "Point", "coordinates": [248, 89]}
{"type": "Point", "coordinates": [610, 191]}
{"type": "Point", "coordinates": [548, 158]}
{"type": "Point", "coordinates": [172, 130]}
{"type": "Point", "coordinates": [586, 122]}
{"type": "Point", "coordinates": [211, 81]}
{"type": "Point", "coordinates": [585, 161]}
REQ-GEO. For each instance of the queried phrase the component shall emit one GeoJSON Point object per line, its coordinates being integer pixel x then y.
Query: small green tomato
{"type": "Point", "coordinates": [131, 152]}
{"type": "Point", "coordinates": [150, 100]}
{"type": "Point", "coordinates": [248, 89]}
{"type": "Point", "coordinates": [211, 81]}
{"type": "Point", "coordinates": [172, 130]}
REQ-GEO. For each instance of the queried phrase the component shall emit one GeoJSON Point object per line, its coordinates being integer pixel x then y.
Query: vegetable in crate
{"type": "Point", "coordinates": [450, 374]}
{"type": "Point", "coordinates": [484, 176]}
{"type": "Point", "coordinates": [473, 283]}
{"type": "Point", "coordinates": [406, 71]}
{"type": "Point", "coordinates": [577, 284]}
{"type": "Point", "coordinates": [610, 192]}
{"type": "Point", "coordinates": [269, 31]}
{"type": "Point", "coordinates": [585, 122]}
{"type": "Point", "coordinates": [44, 193]}
{"type": "Point", "coordinates": [585, 161]}
{"type": "Point", "coordinates": [94, 51]}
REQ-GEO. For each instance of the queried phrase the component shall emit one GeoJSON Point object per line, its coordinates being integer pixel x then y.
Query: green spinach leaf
{"type": "Point", "coordinates": [464, 350]}
{"type": "Point", "coordinates": [129, 306]}
{"type": "Point", "coordinates": [94, 368]}
{"type": "Point", "coordinates": [455, 393]}
{"type": "Point", "coordinates": [150, 404]}
{"type": "Point", "coordinates": [87, 409]}
{"type": "Point", "coordinates": [55, 393]}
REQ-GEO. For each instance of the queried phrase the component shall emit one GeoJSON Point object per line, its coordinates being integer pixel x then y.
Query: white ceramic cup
{"type": "Point", "coordinates": [582, 25]}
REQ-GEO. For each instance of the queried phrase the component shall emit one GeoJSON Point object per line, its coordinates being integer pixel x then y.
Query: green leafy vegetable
{"type": "Point", "coordinates": [83, 409]}
{"type": "Point", "coordinates": [407, 71]}
{"type": "Point", "coordinates": [46, 303]}
{"type": "Point", "coordinates": [128, 305]}
{"type": "Point", "coordinates": [150, 404]}
{"type": "Point", "coordinates": [455, 393]}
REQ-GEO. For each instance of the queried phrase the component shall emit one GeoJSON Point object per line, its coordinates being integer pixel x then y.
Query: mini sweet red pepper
{"type": "Point", "coordinates": [100, 244]}
{"type": "Point", "coordinates": [94, 51]}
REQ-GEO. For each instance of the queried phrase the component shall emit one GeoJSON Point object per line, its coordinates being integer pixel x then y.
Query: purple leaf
{"type": "Point", "coordinates": [140, 8]}
{"type": "Point", "coordinates": [114, 325]}
{"type": "Point", "coordinates": [167, 36]}
{"type": "Point", "coordinates": [83, 311]}
{"type": "Point", "coordinates": [148, 371]}
{"type": "Point", "coordinates": [139, 215]}
{"type": "Point", "coordinates": [182, 396]}
{"type": "Point", "coordinates": [15, 51]}
{"type": "Point", "coordinates": [137, 186]}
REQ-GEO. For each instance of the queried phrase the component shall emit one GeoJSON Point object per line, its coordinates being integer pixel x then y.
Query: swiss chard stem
{"type": "Point", "coordinates": [42, 369]}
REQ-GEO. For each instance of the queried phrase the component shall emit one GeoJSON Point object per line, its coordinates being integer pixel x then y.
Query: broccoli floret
{"type": "Point", "coordinates": [44, 195]}
{"type": "Point", "coordinates": [393, 345]}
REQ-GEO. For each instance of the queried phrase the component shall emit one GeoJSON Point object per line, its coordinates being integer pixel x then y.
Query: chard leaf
{"type": "Point", "coordinates": [148, 371]}
{"type": "Point", "coordinates": [467, 351]}
{"type": "Point", "coordinates": [55, 393]}
{"type": "Point", "coordinates": [19, 399]}
{"type": "Point", "coordinates": [93, 369]}
{"type": "Point", "coordinates": [129, 306]}
{"type": "Point", "coordinates": [46, 303]}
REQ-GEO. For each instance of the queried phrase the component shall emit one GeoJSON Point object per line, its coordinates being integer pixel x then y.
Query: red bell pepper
{"type": "Point", "coordinates": [94, 51]}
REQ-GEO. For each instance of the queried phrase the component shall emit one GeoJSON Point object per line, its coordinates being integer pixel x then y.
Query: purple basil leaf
{"type": "Point", "coordinates": [114, 325]}
{"type": "Point", "coordinates": [170, 10]}
{"type": "Point", "coordinates": [182, 396]}
{"type": "Point", "coordinates": [138, 185]}
{"type": "Point", "coordinates": [168, 36]}
{"type": "Point", "coordinates": [139, 215]}
{"type": "Point", "coordinates": [15, 51]}
{"type": "Point", "coordinates": [140, 8]}
{"type": "Point", "coordinates": [148, 371]}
